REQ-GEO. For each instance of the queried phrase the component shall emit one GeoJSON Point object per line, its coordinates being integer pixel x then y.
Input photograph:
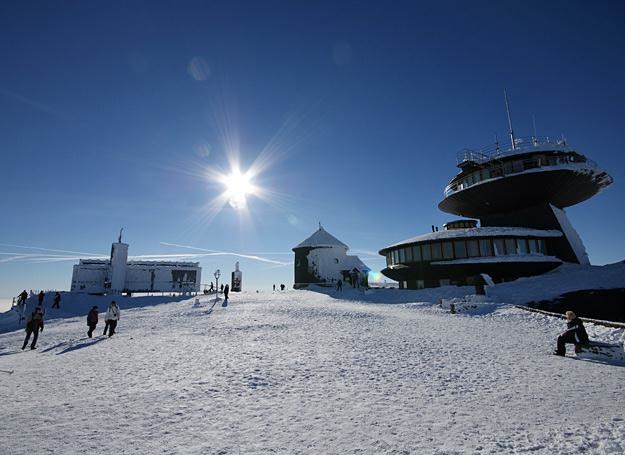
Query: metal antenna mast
{"type": "Point", "coordinates": [505, 95]}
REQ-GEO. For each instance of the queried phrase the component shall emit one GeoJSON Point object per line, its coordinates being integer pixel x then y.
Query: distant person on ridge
{"type": "Point", "coordinates": [212, 288]}
{"type": "Point", "coordinates": [41, 297]}
{"type": "Point", "coordinates": [221, 287]}
{"type": "Point", "coordinates": [575, 333]}
{"type": "Point", "coordinates": [339, 285]}
{"type": "Point", "coordinates": [226, 291]}
{"type": "Point", "coordinates": [22, 297]}
{"type": "Point", "coordinates": [274, 288]}
{"type": "Point", "coordinates": [111, 318]}
{"type": "Point", "coordinates": [282, 286]}
{"type": "Point", "coordinates": [57, 301]}
{"type": "Point", "coordinates": [92, 320]}
{"type": "Point", "coordinates": [34, 325]}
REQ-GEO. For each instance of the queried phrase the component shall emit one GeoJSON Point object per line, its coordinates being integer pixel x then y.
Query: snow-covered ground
{"type": "Point", "coordinates": [308, 372]}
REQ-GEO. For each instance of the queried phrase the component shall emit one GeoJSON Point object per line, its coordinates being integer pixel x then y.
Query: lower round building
{"type": "Point", "coordinates": [462, 254]}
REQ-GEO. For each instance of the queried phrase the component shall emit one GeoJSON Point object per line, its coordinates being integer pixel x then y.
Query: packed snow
{"type": "Point", "coordinates": [309, 372]}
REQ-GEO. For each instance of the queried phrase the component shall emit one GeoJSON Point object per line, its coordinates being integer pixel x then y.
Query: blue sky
{"type": "Point", "coordinates": [113, 113]}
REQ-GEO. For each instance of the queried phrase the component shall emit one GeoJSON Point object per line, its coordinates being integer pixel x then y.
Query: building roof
{"type": "Point", "coordinates": [320, 239]}
{"type": "Point", "coordinates": [490, 231]}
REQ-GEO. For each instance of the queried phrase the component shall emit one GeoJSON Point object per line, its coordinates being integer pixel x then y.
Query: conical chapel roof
{"type": "Point", "coordinates": [321, 238]}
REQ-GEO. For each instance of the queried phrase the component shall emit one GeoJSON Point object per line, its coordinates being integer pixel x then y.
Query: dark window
{"type": "Point", "coordinates": [511, 246]}
{"type": "Point", "coordinates": [448, 250]}
{"type": "Point", "coordinates": [486, 248]}
{"type": "Point", "coordinates": [402, 256]}
{"type": "Point", "coordinates": [460, 248]}
{"type": "Point", "coordinates": [533, 246]}
{"type": "Point", "coordinates": [426, 252]}
{"type": "Point", "coordinates": [500, 248]}
{"type": "Point", "coordinates": [416, 253]}
{"type": "Point", "coordinates": [522, 246]}
{"type": "Point", "coordinates": [395, 257]}
{"type": "Point", "coordinates": [409, 254]}
{"type": "Point", "coordinates": [420, 284]}
{"type": "Point", "coordinates": [542, 246]}
{"type": "Point", "coordinates": [472, 248]}
{"type": "Point", "coordinates": [437, 252]}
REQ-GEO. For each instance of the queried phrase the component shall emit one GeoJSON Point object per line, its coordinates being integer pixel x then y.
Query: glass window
{"type": "Point", "coordinates": [448, 250]}
{"type": "Point", "coordinates": [402, 256]}
{"type": "Point", "coordinates": [437, 252]}
{"type": "Point", "coordinates": [460, 248]}
{"type": "Point", "coordinates": [499, 245]}
{"type": "Point", "coordinates": [521, 246]}
{"type": "Point", "coordinates": [389, 259]}
{"type": "Point", "coordinates": [426, 252]}
{"type": "Point", "coordinates": [395, 256]}
{"type": "Point", "coordinates": [542, 246]}
{"type": "Point", "coordinates": [511, 246]}
{"type": "Point", "coordinates": [420, 284]}
{"type": "Point", "coordinates": [485, 174]}
{"type": "Point", "coordinates": [486, 248]}
{"type": "Point", "coordinates": [472, 249]}
{"type": "Point", "coordinates": [408, 254]}
{"type": "Point", "coordinates": [416, 253]}
{"type": "Point", "coordinates": [533, 246]}
{"type": "Point", "coordinates": [444, 281]}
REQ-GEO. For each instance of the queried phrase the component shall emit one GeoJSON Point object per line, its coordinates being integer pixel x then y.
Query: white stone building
{"type": "Point", "coordinates": [323, 259]}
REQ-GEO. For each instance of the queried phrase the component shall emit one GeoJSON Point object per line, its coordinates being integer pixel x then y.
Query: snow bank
{"type": "Point", "coordinates": [566, 278]}
{"type": "Point", "coordinates": [73, 304]}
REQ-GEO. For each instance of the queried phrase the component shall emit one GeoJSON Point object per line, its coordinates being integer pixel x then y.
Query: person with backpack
{"type": "Point", "coordinates": [575, 333]}
{"type": "Point", "coordinates": [111, 319]}
{"type": "Point", "coordinates": [57, 301]}
{"type": "Point", "coordinates": [34, 325]}
{"type": "Point", "coordinates": [22, 297]}
{"type": "Point", "coordinates": [92, 320]}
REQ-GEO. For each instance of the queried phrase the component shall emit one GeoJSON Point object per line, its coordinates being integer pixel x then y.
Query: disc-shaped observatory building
{"type": "Point", "coordinates": [518, 194]}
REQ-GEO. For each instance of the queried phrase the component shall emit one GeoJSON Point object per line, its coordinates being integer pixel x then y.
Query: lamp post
{"type": "Point", "coordinates": [217, 275]}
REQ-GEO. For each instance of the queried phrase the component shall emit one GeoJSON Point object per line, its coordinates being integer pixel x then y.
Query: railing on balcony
{"type": "Point", "coordinates": [522, 145]}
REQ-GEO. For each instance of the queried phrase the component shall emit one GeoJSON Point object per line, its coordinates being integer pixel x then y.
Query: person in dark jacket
{"type": "Point", "coordinates": [34, 325]}
{"type": "Point", "coordinates": [22, 297]}
{"type": "Point", "coordinates": [575, 333]}
{"type": "Point", "coordinates": [226, 291]}
{"type": "Point", "coordinates": [41, 297]}
{"type": "Point", "coordinates": [339, 285]}
{"type": "Point", "coordinates": [92, 320]}
{"type": "Point", "coordinates": [57, 301]}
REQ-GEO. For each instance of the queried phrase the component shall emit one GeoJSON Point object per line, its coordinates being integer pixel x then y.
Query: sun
{"type": "Point", "coordinates": [238, 186]}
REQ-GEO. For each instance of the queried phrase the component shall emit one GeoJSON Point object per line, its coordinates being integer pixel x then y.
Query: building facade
{"type": "Point", "coordinates": [323, 259]}
{"type": "Point", "coordinates": [519, 195]}
{"type": "Point", "coordinates": [119, 275]}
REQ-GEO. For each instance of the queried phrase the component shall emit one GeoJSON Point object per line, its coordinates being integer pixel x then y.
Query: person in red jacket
{"type": "Point", "coordinates": [92, 320]}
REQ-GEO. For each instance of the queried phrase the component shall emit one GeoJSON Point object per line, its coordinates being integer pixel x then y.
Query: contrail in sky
{"type": "Point", "coordinates": [227, 253]}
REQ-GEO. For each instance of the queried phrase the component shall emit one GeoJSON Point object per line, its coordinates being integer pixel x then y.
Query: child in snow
{"type": "Point", "coordinates": [92, 320]}
{"type": "Point", "coordinates": [112, 316]}
{"type": "Point", "coordinates": [34, 324]}
{"type": "Point", "coordinates": [575, 333]}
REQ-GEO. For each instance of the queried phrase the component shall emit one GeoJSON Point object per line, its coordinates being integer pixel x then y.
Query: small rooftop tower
{"type": "Point", "coordinates": [237, 276]}
{"type": "Point", "coordinates": [119, 262]}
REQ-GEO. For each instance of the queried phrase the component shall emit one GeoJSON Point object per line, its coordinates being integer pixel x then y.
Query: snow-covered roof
{"type": "Point", "coordinates": [490, 231]}
{"type": "Point", "coordinates": [321, 238]}
{"type": "Point", "coordinates": [352, 262]}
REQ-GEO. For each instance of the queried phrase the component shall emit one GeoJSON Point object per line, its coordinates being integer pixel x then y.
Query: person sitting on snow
{"type": "Point", "coordinates": [575, 333]}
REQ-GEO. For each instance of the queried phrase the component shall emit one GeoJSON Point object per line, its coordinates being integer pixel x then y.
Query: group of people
{"type": "Point", "coordinates": [35, 322]}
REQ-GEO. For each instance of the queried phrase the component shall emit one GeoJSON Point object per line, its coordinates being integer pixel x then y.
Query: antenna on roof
{"type": "Point", "coordinates": [320, 225]}
{"type": "Point", "coordinates": [505, 95]}
{"type": "Point", "coordinates": [119, 240]}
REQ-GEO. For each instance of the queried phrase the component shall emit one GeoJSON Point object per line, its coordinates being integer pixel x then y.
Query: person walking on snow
{"type": "Point", "coordinates": [222, 287]}
{"type": "Point", "coordinates": [212, 288]}
{"type": "Point", "coordinates": [34, 325]}
{"type": "Point", "coordinates": [41, 296]}
{"type": "Point", "coordinates": [111, 318]}
{"type": "Point", "coordinates": [57, 301]}
{"type": "Point", "coordinates": [22, 297]}
{"type": "Point", "coordinates": [339, 285]}
{"type": "Point", "coordinates": [226, 291]}
{"type": "Point", "coordinates": [575, 333]}
{"type": "Point", "coordinates": [92, 320]}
